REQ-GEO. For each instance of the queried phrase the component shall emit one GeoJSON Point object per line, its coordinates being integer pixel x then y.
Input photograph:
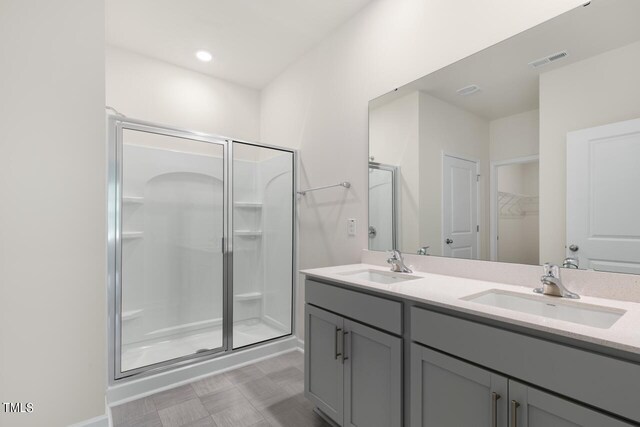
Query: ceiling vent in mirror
{"type": "Point", "coordinates": [468, 90]}
{"type": "Point", "coordinates": [548, 59]}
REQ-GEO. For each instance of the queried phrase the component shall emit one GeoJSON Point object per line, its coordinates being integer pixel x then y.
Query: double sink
{"type": "Point", "coordinates": [539, 305]}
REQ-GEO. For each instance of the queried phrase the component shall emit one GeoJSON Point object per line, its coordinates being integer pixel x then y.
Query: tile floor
{"type": "Point", "coordinates": [269, 393]}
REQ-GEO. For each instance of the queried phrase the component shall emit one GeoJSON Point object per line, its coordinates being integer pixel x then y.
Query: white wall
{"type": "Point", "coordinates": [599, 90]}
{"type": "Point", "coordinates": [394, 140]}
{"type": "Point", "coordinates": [53, 214]}
{"type": "Point", "coordinates": [319, 104]}
{"type": "Point", "coordinates": [515, 136]}
{"type": "Point", "coordinates": [149, 89]}
{"type": "Point", "coordinates": [447, 129]}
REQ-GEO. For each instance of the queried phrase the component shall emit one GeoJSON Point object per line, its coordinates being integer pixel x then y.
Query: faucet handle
{"type": "Point", "coordinates": [395, 254]}
{"type": "Point", "coordinates": [551, 270]}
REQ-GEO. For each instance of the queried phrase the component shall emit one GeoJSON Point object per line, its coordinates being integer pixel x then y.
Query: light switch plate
{"type": "Point", "coordinates": [351, 226]}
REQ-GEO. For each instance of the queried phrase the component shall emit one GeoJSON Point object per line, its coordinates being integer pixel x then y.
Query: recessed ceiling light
{"type": "Point", "coordinates": [204, 56]}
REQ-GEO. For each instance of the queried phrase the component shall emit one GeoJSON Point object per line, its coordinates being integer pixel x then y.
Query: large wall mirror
{"type": "Point", "coordinates": [526, 152]}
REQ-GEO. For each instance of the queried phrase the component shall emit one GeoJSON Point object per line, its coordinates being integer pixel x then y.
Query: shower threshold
{"type": "Point", "coordinates": [145, 353]}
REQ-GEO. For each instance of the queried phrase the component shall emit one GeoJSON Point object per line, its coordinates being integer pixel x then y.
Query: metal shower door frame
{"type": "Point", "coordinates": [115, 126]}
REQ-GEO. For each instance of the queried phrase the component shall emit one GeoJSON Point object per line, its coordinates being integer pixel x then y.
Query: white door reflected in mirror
{"type": "Point", "coordinates": [603, 203]}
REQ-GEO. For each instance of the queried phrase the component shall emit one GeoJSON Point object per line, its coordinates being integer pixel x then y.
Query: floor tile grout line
{"type": "Point", "coordinates": [254, 407]}
{"type": "Point", "coordinates": [235, 382]}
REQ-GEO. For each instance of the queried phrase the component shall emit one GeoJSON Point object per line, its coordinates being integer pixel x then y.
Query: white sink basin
{"type": "Point", "coordinates": [376, 276]}
{"type": "Point", "coordinates": [550, 307]}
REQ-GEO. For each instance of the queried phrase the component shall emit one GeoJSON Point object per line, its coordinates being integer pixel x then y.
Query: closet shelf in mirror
{"type": "Point", "coordinates": [133, 200]}
{"type": "Point", "coordinates": [129, 235]}
{"type": "Point", "coordinates": [514, 205]}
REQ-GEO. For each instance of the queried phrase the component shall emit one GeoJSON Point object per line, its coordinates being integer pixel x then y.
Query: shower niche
{"type": "Point", "coordinates": [201, 237]}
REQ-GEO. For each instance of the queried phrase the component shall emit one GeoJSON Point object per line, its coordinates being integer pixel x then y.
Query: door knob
{"type": "Point", "coordinates": [574, 248]}
{"type": "Point", "coordinates": [448, 241]}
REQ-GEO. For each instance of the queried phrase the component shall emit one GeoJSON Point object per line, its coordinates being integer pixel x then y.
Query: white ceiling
{"type": "Point", "coordinates": [509, 85]}
{"type": "Point", "coordinates": [252, 41]}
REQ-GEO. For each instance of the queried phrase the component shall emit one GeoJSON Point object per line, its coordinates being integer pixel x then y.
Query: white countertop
{"type": "Point", "coordinates": [446, 291]}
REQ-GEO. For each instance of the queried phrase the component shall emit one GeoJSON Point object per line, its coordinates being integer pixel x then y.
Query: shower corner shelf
{"type": "Point", "coordinates": [248, 296]}
{"type": "Point", "coordinates": [127, 235]}
{"type": "Point", "coordinates": [133, 200]}
{"type": "Point", "coordinates": [131, 314]}
{"type": "Point", "coordinates": [249, 205]}
{"type": "Point", "coordinates": [248, 233]}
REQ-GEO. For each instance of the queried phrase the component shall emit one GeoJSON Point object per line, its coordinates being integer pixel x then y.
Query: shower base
{"type": "Point", "coordinates": [147, 353]}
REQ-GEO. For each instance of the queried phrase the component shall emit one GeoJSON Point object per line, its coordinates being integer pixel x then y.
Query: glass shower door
{"type": "Point", "coordinates": [263, 220]}
{"type": "Point", "coordinates": [171, 292]}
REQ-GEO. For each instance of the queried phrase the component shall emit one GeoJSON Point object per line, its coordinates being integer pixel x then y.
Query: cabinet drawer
{"type": "Point", "coordinates": [379, 312]}
{"type": "Point", "coordinates": [604, 382]}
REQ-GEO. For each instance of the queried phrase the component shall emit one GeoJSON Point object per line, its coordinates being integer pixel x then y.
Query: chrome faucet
{"type": "Point", "coordinates": [397, 263]}
{"type": "Point", "coordinates": [552, 284]}
{"type": "Point", "coordinates": [570, 263]}
{"type": "Point", "coordinates": [423, 250]}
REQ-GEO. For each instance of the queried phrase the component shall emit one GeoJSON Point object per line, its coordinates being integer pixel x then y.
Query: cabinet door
{"type": "Point", "coordinates": [324, 367]}
{"type": "Point", "coordinates": [530, 407]}
{"type": "Point", "coordinates": [373, 377]}
{"type": "Point", "coordinates": [446, 392]}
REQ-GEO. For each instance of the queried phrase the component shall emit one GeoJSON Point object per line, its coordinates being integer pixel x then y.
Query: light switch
{"type": "Point", "coordinates": [351, 226]}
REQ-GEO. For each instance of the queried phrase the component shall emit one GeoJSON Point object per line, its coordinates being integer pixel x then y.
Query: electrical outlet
{"type": "Point", "coordinates": [351, 226]}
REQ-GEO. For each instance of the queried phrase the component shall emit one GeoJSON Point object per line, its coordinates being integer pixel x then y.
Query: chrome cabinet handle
{"type": "Point", "coordinates": [574, 248]}
{"type": "Point", "coordinates": [335, 344]}
{"type": "Point", "coordinates": [344, 346]}
{"type": "Point", "coordinates": [448, 241]}
{"type": "Point", "coordinates": [494, 409]}
{"type": "Point", "coordinates": [514, 413]}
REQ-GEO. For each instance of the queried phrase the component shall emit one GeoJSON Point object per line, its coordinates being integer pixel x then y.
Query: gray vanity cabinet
{"type": "Point", "coordinates": [530, 407]}
{"type": "Point", "coordinates": [447, 392]}
{"type": "Point", "coordinates": [353, 372]}
{"type": "Point", "coordinates": [324, 368]}
{"type": "Point", "coordinates": [372, 377]}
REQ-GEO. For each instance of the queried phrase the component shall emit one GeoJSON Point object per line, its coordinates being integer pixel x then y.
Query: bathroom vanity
{"type": "Point", "coordinates": [419, 349]}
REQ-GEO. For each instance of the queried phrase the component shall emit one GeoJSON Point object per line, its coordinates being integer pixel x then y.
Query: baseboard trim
{"type": "Point", "coordinates": [325, 417]}
{"type": "Point", "coordinates": [300, 345]}
{"type": "Point", "coordinates": [99, 421]}
{"type": "Point", "coordinates": [145, 386]}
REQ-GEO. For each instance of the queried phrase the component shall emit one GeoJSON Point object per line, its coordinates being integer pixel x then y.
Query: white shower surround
{"type": "Point", "coordinates": [167, 314]}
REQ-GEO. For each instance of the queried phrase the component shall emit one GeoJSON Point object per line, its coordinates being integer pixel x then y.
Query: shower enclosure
{"type": "Point", "coordinates": [201, 246]}
{"type": "Point", "coordinates": [382, 207]}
